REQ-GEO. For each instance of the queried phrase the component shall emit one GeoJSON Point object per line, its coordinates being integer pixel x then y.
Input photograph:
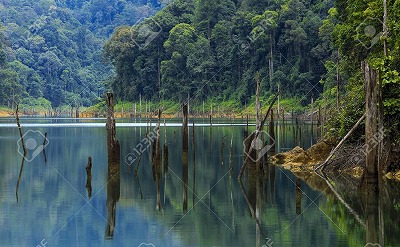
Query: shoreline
{"type": "Point", "coordinates": [302, 161]}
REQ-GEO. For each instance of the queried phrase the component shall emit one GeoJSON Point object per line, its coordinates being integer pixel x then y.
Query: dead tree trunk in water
{"type": "Point", "coordinates": [113, 150]}
{"type": "Point", "coordinates": [370, 76]}
{"type": "Point", "coordinates": [77, 112]}
{"type": "Point", "coordinates": [185, 161]}
{"type": "Point", "coordinates": [256, 134]}
{"type": "Point", "coordinates": [258, 101]}
{"type": "Point", "coordinates": [322, 166]}
{"type": "Point", "coordinates": [20, 131]}
{"type": "Point", "coordinates": [89, 177]}
{"type": "Point", "coordinates": [45, 142]}
{"type": "Point", "coordinates": [272, 131]}
{"type": "Point", "coordinates": [113, 146]}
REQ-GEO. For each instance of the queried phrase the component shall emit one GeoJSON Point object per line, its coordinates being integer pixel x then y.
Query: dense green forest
{"type": "Point", "coordinates": [51, 51]}
{"type": "Point", "coordinates": [209, 48]}
{"type": "Point", "coordinates": [307, 49]}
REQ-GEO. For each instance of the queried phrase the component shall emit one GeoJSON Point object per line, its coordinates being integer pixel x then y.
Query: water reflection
{"type": "Point", "coordinates": [273, 201]}
{"type": "Point", "coordinates": [156, 163]}
{"type": "Point", "coordinates": [369, 203]}
{"type": "Point", "coordinates": [19, 177]}
{"type": "Point", "coordinates": [298, 196]}
{"type": "Point", "coordinates": [369, 195]}
{"type": "Point", "coordinates": [194, 164]}
{"type": "Point", "coordinates": [113, 195]}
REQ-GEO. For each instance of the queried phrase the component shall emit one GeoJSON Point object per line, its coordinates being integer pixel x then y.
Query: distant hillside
{"type": "Point", "coordinates": [53, 49]}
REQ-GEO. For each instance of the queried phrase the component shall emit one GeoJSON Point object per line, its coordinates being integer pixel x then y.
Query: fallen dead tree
{"type": "Point", "coordinates": [322, 166]}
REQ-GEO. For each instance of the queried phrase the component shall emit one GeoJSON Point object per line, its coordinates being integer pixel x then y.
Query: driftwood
{"type": "Point", "coordinates": [258, 132]}
{"type": "Point", "coordinates": [322, 166]}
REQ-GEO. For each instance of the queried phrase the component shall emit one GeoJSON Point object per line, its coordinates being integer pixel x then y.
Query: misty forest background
{"type": "Point", "coordinates": [68, 53]}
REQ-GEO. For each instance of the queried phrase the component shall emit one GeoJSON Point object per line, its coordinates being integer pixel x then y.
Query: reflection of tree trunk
{"type": "Point", "coordinates": [370, 195]}
{"type": "Point", "coordinates": [381, 225]}
{"type": "Point", "coordinates": [351, 210]}
{"type": "Point", "coordinates": [266, 182]}
{"type": "Point", "coordinates": [252, 182]}
{"type": "Point", "coordinates": [251, 170]}
{"type": "Point", "coordinates": [259, 202]}
{"type": "Point", "coordinates": [230, 182]}
{"type": "Point", "coordinates": [298, 196]}
{"type": "Point", "coordinates": [19, 176]}
{"type": "Point", "coordinates": [252, 212]}
{"type": "Point", "coordinates": [156, 162]}
{"type": "Point", "coordinates": [210, 136]}
{"type": "Point", "coordinates": [113, 194]}
{"type": "Point", "coordinates": [185, 146]}
{"type": "Point", "coordinates": [165, 163]}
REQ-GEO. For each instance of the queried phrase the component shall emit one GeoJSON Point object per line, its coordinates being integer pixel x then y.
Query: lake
{"type": "Point", "coordinates": [193, 199]}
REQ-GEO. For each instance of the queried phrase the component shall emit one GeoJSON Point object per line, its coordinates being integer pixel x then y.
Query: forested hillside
{"type": "Point", "coordinates": [309, 49]}
{"type": "Point", "coordinates": [215, 48]}
{"type": "Point", "coordinates": [52, 50]}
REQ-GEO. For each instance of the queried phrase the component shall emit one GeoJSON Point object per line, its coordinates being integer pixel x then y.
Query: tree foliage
{"type": "Point", "coordinates": [55, 47]}
{"type": "Point", "coordinates": [215, 48]}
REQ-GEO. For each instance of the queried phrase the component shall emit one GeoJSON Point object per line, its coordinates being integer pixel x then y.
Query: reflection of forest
{"type": "Point", "coordinates": [276, 209]}
{"type": "Point", "coordinates": [276, 201]}
{"type": "Point", "coordinates": [364, 212]}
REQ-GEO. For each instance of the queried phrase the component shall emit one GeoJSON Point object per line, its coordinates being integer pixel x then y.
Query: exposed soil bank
{"type": "Point", "coordinates": [299, 161]}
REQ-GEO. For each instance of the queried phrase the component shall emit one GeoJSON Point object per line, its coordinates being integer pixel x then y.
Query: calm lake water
{"type": "Point", "coordinates": [52, 206]}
